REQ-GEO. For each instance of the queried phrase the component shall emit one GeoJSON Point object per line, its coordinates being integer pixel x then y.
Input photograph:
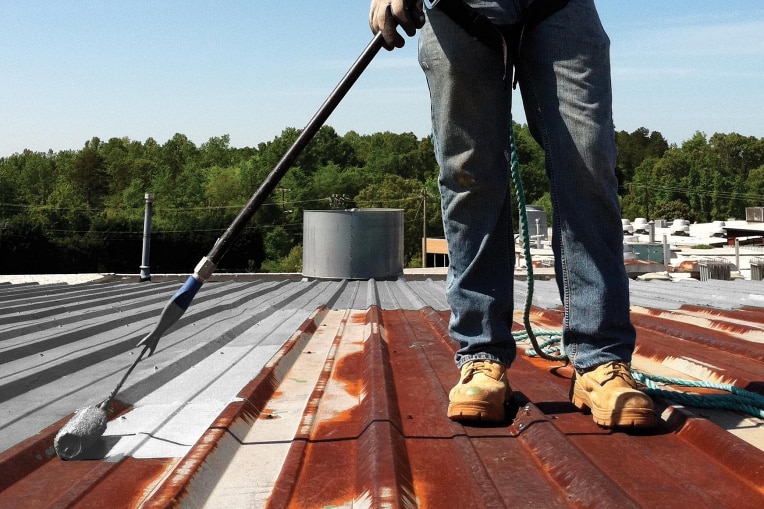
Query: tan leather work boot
{"type": "Point", "coordinates": [611, 394]}
{"type": "Point", "coordinates": [481, 392]}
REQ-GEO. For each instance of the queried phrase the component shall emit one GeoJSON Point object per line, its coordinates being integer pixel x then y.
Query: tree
{"type": "Point", "coordinates": [277, 243]}
{"type": "Point", "coordinates": [178, 153]}
{"type": "Point", "coordinates": [755, 187]}
{"type": "Point", "coordinates": [532, 161]}
{"type": "Point", "coordinates": [217, 152]}
{"type": "Point", "coordinates": [117, 163]}
{"type": "Point", "coordinates": [331, 179]}
{"type": "Point", "coordinates": [393, 154]}
{"type": "Point", "coordinates": [84, 208]}
{"type": "Point", "coordinates": [635, 147]}
{"type": "Point", "coordinates": [88, 174]}
{"type": "Point", "coordinates": [398, 193]}
{"type": "Point", "coordinates": [640, 198]}
{"type": "Point", "coordinates": [673, 209]}
{"type": "Point", "coordinates": [223, 186]}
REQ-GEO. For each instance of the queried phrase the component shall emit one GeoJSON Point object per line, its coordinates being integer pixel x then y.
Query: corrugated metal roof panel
{"type": "Point", "coordinates": [332, 394]}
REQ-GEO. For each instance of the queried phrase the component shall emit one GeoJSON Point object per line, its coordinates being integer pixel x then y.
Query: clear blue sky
{"type": "Point", "coordinates": [71, 70]}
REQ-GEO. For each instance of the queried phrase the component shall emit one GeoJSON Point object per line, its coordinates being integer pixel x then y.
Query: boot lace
{"type": "Point", "coordinates": [618, 369]}
{"type": "Point", "coordinates": [480, 366]}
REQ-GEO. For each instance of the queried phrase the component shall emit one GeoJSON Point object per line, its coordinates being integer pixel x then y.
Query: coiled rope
{"type": "Point", "coordinates": [553, 349]}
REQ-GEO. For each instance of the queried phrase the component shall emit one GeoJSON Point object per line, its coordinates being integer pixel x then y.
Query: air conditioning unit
{"type": "Point", "coordinates": [757, 269]}
{"type": "Point", "coordinates": [754, 214]}
{"type": "Point", "coordinates": [715, 269]}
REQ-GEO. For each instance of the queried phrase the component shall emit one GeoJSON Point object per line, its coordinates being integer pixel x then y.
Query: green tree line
{"type": "Point", "coordinates": [82, 210]}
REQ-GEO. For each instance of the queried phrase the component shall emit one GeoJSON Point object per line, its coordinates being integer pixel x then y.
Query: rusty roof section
{"type": "Point", "coordinates": [284, 393]}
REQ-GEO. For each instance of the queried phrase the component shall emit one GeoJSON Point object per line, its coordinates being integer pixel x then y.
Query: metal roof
{"type": "Point", "coordinates": [281, 392]}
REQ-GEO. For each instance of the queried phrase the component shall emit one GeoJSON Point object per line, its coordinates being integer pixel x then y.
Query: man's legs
{"type": "Point", "coordinates": [565, 81]}
{"type": "Point", "coordinates": [471, 122]}
{"type": "Point", "coordinates": [564, 68]}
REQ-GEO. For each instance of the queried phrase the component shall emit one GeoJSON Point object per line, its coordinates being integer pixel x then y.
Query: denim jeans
{"type": "Point", "coordinates": [564, 77]}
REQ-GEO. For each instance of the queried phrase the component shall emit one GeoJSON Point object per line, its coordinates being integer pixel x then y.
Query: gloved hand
{"type": "Point", "coordinates": [387, 15]}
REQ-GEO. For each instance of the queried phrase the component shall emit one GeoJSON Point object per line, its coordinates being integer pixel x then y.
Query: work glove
{"type": "Point", "coordinates": [386, 15]}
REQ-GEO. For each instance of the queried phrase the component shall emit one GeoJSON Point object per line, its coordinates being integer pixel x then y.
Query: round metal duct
{"type": "Point", "coordinates": [353, 244]}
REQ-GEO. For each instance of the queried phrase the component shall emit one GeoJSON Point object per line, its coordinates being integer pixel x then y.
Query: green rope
{"type": "Point", "coordinates": [549, 355]}
{"type": "Point", "coordinates": [553, 349]}
{"type": "Point", "coordinates": [736, 399]}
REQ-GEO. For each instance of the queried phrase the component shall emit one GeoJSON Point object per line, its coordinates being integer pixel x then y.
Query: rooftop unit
{"type": "Point", "coordinates": [754, 214]}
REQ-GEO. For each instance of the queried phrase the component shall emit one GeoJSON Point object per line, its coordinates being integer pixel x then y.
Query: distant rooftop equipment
{"type": "Point", "coordinates": [641, 225]}
{"type": "Point", "coordinates": [715, 269]}
{"type": "Point", "coordinates": [717, 229]}
{"type": "Point", "coordinates": [757, 269]}
{"type": "Point", "coordinates": [754, 214]}
{"type": "Point", "coordinates": [680, 227]}
{"type": "Point", "coordinates": [535, 228]}
{"type": "Point", "coordinates": [353, 244]}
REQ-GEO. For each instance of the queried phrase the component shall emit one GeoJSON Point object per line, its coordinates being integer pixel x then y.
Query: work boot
{"type": "Point", "coordinates": [481, 392]}
{"type": "Point", "coordinates": [611, 394]}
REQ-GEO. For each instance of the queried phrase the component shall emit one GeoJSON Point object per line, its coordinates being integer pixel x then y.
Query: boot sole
{"type": "Point", "coordinates": [625, 418]}
{"type": "Point", "coordinates": [475, 412]}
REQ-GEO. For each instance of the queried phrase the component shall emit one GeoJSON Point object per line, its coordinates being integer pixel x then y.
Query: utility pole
{"type": "Point", "coordinates": [424, 228]}
{"type": "Point", "coordinates": [3, 226]}
{"type": "Point", "coordinates": [283, 204]}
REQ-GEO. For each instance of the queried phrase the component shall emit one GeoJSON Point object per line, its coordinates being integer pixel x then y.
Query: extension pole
{"type": "Point", "coordinates": [89, 424]}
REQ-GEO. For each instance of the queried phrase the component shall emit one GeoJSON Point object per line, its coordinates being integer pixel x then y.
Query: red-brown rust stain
{"type": "Point", "coordinates": [24, 458]}
{"type": "Point", "coordinates": [54, 481]}
{"type": "Point", "coordinates": [746, 314]}
{"type": "Point", "coordinates": [600, 444]}
{"type": "Point", "coordinates": [268, 414]}
{"type": "Point", "coordinates": [687, 266]}
{"type": "Point", "coordinates": [753, 314]}
{"type": "Point", "coordinates": [326, 477]}
{"type": "Point", "coordinates": [346, 371]}
{"type": "Point", "coordinates": [486, 466]}
{"type": "Point", "coordinates": [21, 460]}
{"type": "Point", "coordinates": [176, 486]}
{"type": "Point", "coordinates": [725, 366]}
{"type": "Point", "coordinates": [369, 470]}
{"type": "Point", "coordinates": [741, 458]}
{"type": "Point", "coordinates": [422, 371]}
{"type": "Point", "coordinates": [351, 372]}
{"type": "Point", "coordinates": [711, 339]}
{"type": "Point", "coordinates": [655, 459]}
{"type": "Point", "coordinates": [233, 411]}
{"type": "Point", "coordinates": [358, 455]}
{"type": "Point", "coordinates": [717, 319]}
{"type": "Point", "coordinates": [557, 457]}
{"type": "Point", "coordinates": [85, 484]}
{"type": "Point", "coordinates": [127, 485]}
{"type": "Point", "coordinates": [348, 374]}
{"type": "Point", "coordinates": [550, 319]}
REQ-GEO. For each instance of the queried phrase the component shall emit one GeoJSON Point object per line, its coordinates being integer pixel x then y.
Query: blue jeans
{"type": "Point", "coordinates": [564, 77]}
